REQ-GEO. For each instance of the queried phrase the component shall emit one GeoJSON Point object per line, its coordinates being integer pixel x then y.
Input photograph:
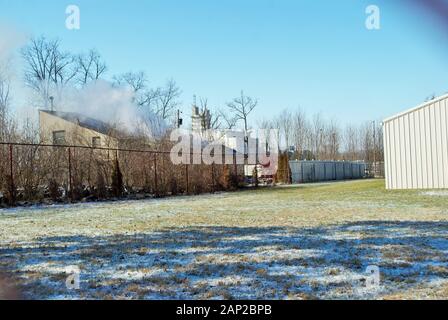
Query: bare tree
{"type": "Point", "coordinates": [242, 106]}
{"type": "Point", "coordinates": [276, 125]}
{"type": "Point", "coordinates": [285, 123]}
{"type": "Point", "coordinates": [137, 81]}
{"type": "Point", "coordinates": [148, 98]}
{"type": "Point", "coordinates": [90, 67]}
{"type": "Point", "coordinates": [4, 92]}
{"type": "Point", "coordinates": [7, 126]}
{"type": "Point", "coordinates": [167, 100]}
{"type": "Point", "coordinates": [318, 126]}
{"type": "Point", "coordinates": [264, 124]}
{"type": "Point", "coordinates": [351, 142]}
{"type": "Point", "coordinates": [333, 137]}
{"type": "Point", "coordinates": [211, 119]}
{"type": "Point", "coordinates": [300, 131]}
{"type": "Point", "coordinates": [229, 120]}
{"type": "Point", "coordinates": [269, 125]}
{"type": "Point", "coordinates": [366, 135]}
{"type": "Point", "coordinates": [379, 142]}
{"type": "Point", "coordinates": [158, 104]}
{"type": "Point", "coordinates": [47, 67]}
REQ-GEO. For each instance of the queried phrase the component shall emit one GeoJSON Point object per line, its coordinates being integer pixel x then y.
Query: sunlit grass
{"type": "Point", "coordinates": [298, 242]}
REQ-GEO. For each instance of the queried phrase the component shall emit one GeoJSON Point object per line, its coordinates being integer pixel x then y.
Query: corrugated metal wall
{"type": "Point", "coordinates": [416, 147]}
{"type": "Point", "coordinates": [315, 171]}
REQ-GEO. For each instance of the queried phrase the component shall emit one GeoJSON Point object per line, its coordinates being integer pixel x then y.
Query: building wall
{"type": "Point", "coordinates": [74, 134]}
{"type": "Point", "coordinates": [315, 171]}
{"type": "Point", "coordinates": [416, 147]}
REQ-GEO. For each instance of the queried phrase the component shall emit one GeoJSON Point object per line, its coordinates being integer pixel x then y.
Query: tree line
{"type": "Point", "coordinates": [48, 69]}
{"type": "Point", "coordinates": [314, 137]}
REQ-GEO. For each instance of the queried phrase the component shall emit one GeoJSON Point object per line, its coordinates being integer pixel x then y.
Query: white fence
{"type": "Point", "coordinates": [315, 171]}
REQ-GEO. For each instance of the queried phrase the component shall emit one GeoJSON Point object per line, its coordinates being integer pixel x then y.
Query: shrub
{"type": "Point", "coordinates": [283, 174]}
{"type": "Point", "coordinates": [228, 180]}
{"type": "Point", "coordinates": [53, 190]}
{"type": "Point", "coordinates": [174, 187]}
{"type": "Point", "coordinates": [101, 190]}
{"type": "Point", "coordinates": [255, 181]}
{"type": "Point", "coordinates": [11, 192]}
{"type": "Point", "coordinates": [117, 180]}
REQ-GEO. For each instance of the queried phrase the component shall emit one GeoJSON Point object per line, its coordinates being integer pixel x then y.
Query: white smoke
{"type": "Point", "coordinates": [102, 101]}
{"type": "Point", "coordinates": [10, 40]}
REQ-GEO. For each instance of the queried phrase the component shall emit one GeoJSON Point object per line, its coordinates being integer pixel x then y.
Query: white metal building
{"type": "Point", "coordinates": [416, 147]}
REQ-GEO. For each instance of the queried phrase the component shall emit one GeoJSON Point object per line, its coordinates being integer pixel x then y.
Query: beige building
{"type": "Point", "coordinates": [69, 128]}
{"type": "Point", "coordinates": [416, 147]}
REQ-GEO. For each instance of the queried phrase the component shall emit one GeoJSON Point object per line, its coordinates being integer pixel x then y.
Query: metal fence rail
{"type": "Point", "coordinates": [33, 172]}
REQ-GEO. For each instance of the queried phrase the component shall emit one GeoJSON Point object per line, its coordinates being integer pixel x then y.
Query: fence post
{"type": "Point", "coordinates": [301, 167]}
{"type": "Point", "coordinates": [11, 172]}
{"type": "Point", "coordinates": [70, 174]}
{"type": "Point", "coordinates": [325, 171]}
{"type": "Point", "coordinates": [288, 170]}
{"type": "Point", "coordinates": [235, 168]}
{"type": "Point", "coordinates": [186, 179]}
{"type": "Point", "coordinates": [156, 192]}
{"type": "Point", "coordinates": [335, 174]}
{"type": "Point", "coordinates": [213, 178]}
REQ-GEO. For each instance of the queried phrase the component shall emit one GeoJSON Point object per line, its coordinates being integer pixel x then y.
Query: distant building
{"type": "Point", "coordinates": [416, 147]}
{"type": "Point", "coordinates": [69, 128]}
{"type": "Point", "coordinates": [200, 121]}
{"type": "Point", "coordinates": [232, 140]}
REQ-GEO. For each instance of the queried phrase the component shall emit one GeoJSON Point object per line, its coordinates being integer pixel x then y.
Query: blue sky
{"type": "Point", "coordinates": [287, 53]}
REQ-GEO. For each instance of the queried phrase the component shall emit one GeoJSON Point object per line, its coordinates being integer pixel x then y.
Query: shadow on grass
{"type": "Point", "coordinates": [221, 262]}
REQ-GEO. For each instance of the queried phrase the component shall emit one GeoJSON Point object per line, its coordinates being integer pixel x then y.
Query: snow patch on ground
{"type": "Point", "coordinates": [213, 262]}
{"type": "Point", "coordinates": [242, 245]}
{"type": "Point", "coordinates": [435, 193]}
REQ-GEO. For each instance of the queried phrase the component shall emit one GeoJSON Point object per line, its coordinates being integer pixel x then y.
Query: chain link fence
{"type": "Point", "coordinates": [39, 173]}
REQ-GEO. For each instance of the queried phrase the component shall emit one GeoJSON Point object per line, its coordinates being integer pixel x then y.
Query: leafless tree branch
{"type": "Point", "coordinates": [241, 107]}
{"type": "Point", "coordinates": [90, 67]}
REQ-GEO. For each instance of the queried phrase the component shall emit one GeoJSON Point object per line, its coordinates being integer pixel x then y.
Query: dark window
{"type": "Point", "coordinates": [96, 142]}
{"type": "Point", "coordinates": [59, 137]}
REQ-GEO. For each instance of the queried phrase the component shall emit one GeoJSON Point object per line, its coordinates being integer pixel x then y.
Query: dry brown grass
{"type": "Point", "coordinates": [216, 245]}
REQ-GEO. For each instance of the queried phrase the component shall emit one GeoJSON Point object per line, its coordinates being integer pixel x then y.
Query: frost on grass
{"type": "Point", "coordinates": [296, 243]}
{"type": "Point", "coordinates": [246, 263]}
{"type": "Point", "coordinates": [435, 193]}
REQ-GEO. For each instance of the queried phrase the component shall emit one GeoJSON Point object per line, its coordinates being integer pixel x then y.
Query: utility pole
{"type": "Point", "coordinates": [179, 119]}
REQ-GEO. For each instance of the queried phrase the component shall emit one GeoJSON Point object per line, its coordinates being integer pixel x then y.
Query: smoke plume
{"type": "Point", "coordinates": [113, 105]}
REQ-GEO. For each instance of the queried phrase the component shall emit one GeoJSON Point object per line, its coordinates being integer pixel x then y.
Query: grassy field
{"type": "Point", "coordinates": [292, 242]}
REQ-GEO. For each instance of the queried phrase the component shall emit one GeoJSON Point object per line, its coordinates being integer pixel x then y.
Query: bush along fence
{"type": "Point", "coordinates": [37, 173]}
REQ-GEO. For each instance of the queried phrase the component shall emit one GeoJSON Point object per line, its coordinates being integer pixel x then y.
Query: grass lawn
{"type": "Point", "coordinates": [292, 242]}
